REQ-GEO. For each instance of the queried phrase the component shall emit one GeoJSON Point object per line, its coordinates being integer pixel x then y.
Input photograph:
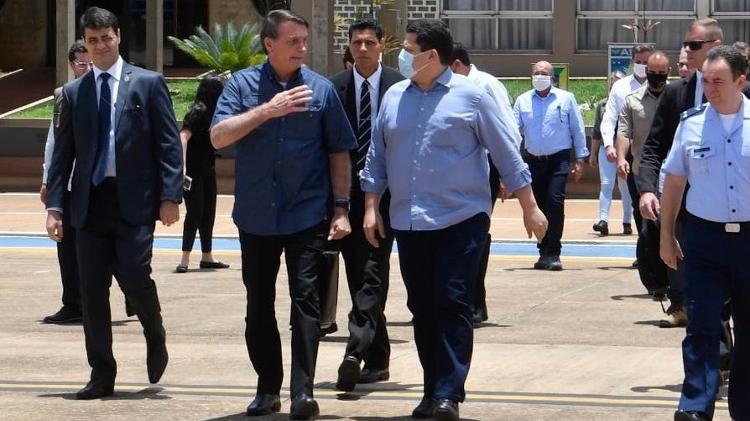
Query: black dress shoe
{"type": "Point", "coordinates": [263, 404]}
{"type": "Point", "coordinates": [95, 390]}
{"type": "Point", "coordinates": [66, 314]}
{"type": "Point", "coordinates": [349, 373]}
{"type": "Point", "coordinates": [680, 415]}
{"type": "Point", "coordinates": [602, 227]}
{"type": "Point", "coordinates": [156, 357]}
{"type": "Point", "coordinates": [554, 263]}
{"type": "Point", "coordinates": [129, 310]}
{"type": "Point", "coordinates": [181, 268]}
{"type": "Point", "coordinates": [331, 328]}
{"type": "Point", "coordinates": [424, 409]}
{"type": "Point", "coordinates": [371, 375]}
{"type": "Point", "coordinates": [480, 315]}
{"type": "Point", "coordinates": [445, 410]}
{"type": "Point", "coordinates": [213, 265]}
{"type": "Point", "coordinates": [542, 263]}
{"type": "Point", "coordinates": [304, 408]}
{"type": "Point", "coordinates": [627, 229]}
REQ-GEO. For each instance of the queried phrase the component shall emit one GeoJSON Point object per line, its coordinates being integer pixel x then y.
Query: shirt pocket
{"type": "Point", "coordinates": [701, 159]}
{"type": "Point", "coordinates": [249, 102]}
{"type": "Point", "coordinates": [557, 118]}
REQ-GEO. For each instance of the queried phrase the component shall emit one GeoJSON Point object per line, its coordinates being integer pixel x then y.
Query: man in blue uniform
{"type": "Point", "coordinates": [711, 151]}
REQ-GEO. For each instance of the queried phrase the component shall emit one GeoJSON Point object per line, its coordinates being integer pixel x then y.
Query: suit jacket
{"type": "Point", "coordinates": [677, 98]}
{"type": "Point", "coordinates": [344, 83]}
{"type": "Point", "coordinates": [148, 151]}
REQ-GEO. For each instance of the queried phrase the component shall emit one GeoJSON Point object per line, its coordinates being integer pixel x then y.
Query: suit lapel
{"type": "Point", "coordinates": [350, 104]}
{"type": "Point", "coordinates": [122, 93]}
{"type": "Point", "coordinates": [89, 106]}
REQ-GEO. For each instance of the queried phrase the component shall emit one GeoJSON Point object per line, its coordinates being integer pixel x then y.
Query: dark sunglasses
{"type": "Point", "coordinates": [697, 44]}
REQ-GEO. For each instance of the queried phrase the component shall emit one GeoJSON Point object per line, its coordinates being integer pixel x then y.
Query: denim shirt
{"type": "Point", "coordinates": [282, 172]}
{"type": "Point", "coordinates": [428, 147]}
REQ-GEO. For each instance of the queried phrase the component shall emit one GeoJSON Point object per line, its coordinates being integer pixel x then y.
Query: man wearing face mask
{"type": "Point", "coordinates": [633, 126]}
{"type": "Point", "coordinates": [428, 147]}
{"type": "Point", "coordinates": [608, 160]}
{"type": "Point", "coordinates": [551, 125]}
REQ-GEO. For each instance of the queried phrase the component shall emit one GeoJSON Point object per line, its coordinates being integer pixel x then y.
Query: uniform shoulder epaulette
{"type": "Point", "coordinates": [693, 111]}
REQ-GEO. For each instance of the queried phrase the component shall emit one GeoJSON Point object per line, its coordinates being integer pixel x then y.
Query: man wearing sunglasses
{"type": "Point", "coordinates": [680, 100]}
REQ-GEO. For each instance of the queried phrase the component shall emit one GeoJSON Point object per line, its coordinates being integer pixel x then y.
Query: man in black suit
{"type": "Point", "coordinates": [360, 90]}
{"type": "Point", "coordinates": [128, 174]}
{"type": "Point", "coordinates": [679, 100]}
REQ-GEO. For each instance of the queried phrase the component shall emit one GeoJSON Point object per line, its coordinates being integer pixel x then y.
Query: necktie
{"type": "Point", "coordinates": [364, 128]}
{"type": "Point", "coordinates": [105, 123]}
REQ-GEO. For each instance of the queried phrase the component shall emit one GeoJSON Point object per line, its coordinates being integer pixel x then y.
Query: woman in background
{"type": "Point", "coordinates": [199, 158]}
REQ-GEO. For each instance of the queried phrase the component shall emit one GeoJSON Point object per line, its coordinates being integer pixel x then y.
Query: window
{"type": "Point", "coordinates": [600, 22]}
{"type": "Point", "coordinates": [506, 25]}
{"type": "Point", "coordinates": [734, 16]}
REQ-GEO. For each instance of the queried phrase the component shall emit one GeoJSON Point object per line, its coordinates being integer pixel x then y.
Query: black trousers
{"type": "Point", "coordinates": [439, 269]}
{"type": "Point", "coordinates": [200, 203]}
{"type": "Point", "coordinates": [480, 295]}
{"type": "Point", "coordinates": [367, 270]}
{"type": "Point", "coordinates": [107, 244]}
{"type": "Point", "coordinates": [548, 177]}
{"type": "Point", "coordinates": [66, 258]}
{"type": "Point", "coordinates": [260, 266]}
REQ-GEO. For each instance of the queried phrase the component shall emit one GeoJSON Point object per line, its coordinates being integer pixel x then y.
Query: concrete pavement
{"type": "Point", "coordinates": [581, 344]}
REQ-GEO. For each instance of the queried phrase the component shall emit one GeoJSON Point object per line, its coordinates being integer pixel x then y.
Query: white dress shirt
{"type": "Point", "coordinates": [374, 81]}
{"type": "Point", "coordinates": [698, 88]}
{"type": "Point", "coordinates": [115, 73]}
{"type": "Point", "coordinates": [500, 93]}
{"type": "Point", "coordinates": [616, 100]}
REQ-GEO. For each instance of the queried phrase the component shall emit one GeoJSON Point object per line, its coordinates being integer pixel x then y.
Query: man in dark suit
{"type": "Point", "coordinates": [128, 174]}
{"type": "Point", "coordinates": [361, 89]}
{"type": "Point", "coordinates": [680, 100]}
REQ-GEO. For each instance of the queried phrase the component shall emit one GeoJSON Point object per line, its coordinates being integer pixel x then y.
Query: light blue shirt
{"type": "Point", "coordinates": [716, 162]}
{"type": "Point", "coordinates": [428, 148]}
{"type": "Point", "coordinates": [550, 124]}
{"type": "Point", "coordinates": [115, 72]}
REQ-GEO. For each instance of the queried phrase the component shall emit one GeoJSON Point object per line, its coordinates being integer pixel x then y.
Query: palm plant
{"type": "Point", "coordinates": [225, 49]}
{"type": "Point", "coordinates": [265, 6]}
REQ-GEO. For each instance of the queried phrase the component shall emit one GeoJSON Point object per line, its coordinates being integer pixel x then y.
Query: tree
{"type": "Point", "coordinates": [265, 6]}
{"type": "Point", "coordinates": [225, 49]}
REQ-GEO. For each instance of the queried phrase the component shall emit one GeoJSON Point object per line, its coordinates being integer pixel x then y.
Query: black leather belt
{"type": "Point", "coordinates": [730, 227]}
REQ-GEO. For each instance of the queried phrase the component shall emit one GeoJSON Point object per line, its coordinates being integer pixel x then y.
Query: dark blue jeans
{"type": "Point", "coordinates": [548, 177]}
{"type": "Point", "coordinates": [439, 269]}
{"type": "Point", "coordinates": [715, 268]}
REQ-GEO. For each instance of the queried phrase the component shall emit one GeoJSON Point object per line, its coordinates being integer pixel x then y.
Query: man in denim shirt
{"type": "Point", "coordinates": [428, 147]}
{"type": "Point", "coordinates": [293, 141]}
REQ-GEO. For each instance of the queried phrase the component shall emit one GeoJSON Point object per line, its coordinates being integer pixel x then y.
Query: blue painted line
{"type": "Point", "coordinates": [498, 248]}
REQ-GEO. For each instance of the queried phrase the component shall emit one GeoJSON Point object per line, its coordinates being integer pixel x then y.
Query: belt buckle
{"type": "Point", "coordinates": [733, 228]}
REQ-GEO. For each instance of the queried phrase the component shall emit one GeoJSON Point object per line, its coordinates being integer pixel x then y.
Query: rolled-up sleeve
{"type": "Point", "coordinates": [374, 177]}
{"type": "Point", "coordinates": [498, 136]}
{"type": "Point", "coordinates": [230, 102]}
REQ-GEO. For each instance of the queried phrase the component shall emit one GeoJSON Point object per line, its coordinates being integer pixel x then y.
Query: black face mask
{"type": "Point", "coordinates": [656, 80]}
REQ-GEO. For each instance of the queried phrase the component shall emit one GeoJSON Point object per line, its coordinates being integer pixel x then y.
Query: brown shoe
{"type": "Point", "coordinates": [676, 317]}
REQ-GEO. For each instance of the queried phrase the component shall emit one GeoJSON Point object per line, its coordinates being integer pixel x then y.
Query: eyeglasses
{"type": "Point", "coordinates": [84, 63]}
{"type": "Point", "coordinates": [697, 44]}
{"type": "Point", "coordinates": [682, 64]}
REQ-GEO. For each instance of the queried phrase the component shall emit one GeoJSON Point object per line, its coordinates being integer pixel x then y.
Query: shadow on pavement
{"type": "Point", "coordinates": [272, 417]}
{"type": "Point", "coordinates": [624, 296]}
{"type": "Point", "coordinates": [147, 393]}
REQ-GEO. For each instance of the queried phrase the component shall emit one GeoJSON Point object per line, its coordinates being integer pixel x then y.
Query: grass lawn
{"type": "Point", "coordinates": [587, 92]}
{"type": "Point", "coordinates": [183, 94]}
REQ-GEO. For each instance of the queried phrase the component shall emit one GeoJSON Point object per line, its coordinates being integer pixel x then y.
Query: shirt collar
{"type": "Point", "coordinates": [115, 71]}
{"type": "Point", "coordinates": [373, 79]}
{"type": "Point", "coordinates": [271, 73]}
{"type": "Point", "coordinates": [552, 93]}
{"type": "Point", "coordinates": [444, 79]}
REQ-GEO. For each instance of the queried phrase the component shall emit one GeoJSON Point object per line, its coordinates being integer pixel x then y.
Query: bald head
{"type": "Point", "coordinates": [542, 68]}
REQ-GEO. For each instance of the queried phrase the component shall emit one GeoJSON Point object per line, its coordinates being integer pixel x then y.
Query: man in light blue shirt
{"type": "Point", "coordinates": [428, 147]}
{"type": "Point", "coordinates": [551, 126]}
{"type": "Point", "coordinates": [711, 151]}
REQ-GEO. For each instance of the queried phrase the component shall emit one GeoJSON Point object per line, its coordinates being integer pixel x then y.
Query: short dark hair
{"type": "Point", "coordinates": [642, 48]}
{"type": "Point", "coordinates": [348, 57]}
{"type": "Point", "coordinates": [273, 19]}
{"type": "Point", "coordinates": [364, 23]}
{"type": "Point", "coordinates": [460, 54]}
{"type": "Point", "coordinates": [98, 18]}
{"type": "Point", "coordinates": [732, 56]}
{"type": "Point", "coordinates": [742, 46]}
{"type": "Point", "coordinates": [433, 34]}
{"type": "Point", "coordinates": [76, 48]}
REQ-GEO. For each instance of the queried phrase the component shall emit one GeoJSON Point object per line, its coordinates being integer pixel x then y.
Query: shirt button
{"type": "Point", "coordinates": [731, 187]}
{"type": "Point", "coordinates": [729, 140]}
{"type": "Point", "coordinates": [414, 178]}
{"type": "Point", "coordinates": [273, 205]}
{"type": "Point", "coordinates": [734, 210]}
{"type": "Point", "coordinates": [419, 125]}
{"type": "Point", "coordinates": [278, 162]}
{"type": "Point", "coordinates": [281, 139]}
{"type": "Point", "coordinates": [730, 164]}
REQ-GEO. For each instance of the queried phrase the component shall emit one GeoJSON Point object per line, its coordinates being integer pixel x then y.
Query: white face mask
{"type": "Point", "coordinates": [639, 70]}
{"type": "Point", "coordinates": [541, 82]}
{"type": "Point", "coordinates": [406, 64]}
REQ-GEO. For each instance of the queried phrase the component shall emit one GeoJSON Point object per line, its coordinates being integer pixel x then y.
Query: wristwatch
{"type": "Point", "coordinates": [342, 203]}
